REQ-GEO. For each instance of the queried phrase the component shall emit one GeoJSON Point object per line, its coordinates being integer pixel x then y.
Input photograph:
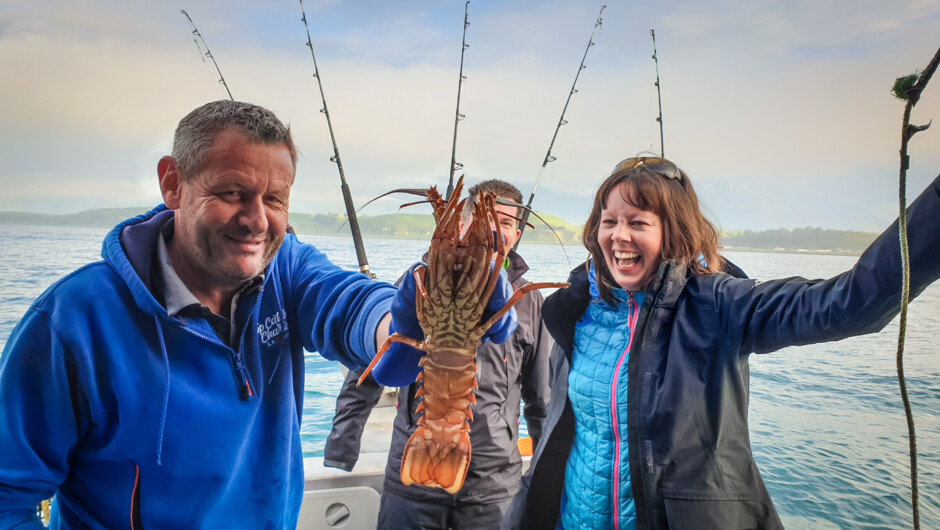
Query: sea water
{"type": "Point", "coordinates": [826, 421]}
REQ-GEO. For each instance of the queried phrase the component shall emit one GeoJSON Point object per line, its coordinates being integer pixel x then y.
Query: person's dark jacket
{"type": "Point", "coordinates": [690, 458]}
{"type": "Point", "coordinates": [517, 368]}
{"type": "Point", "coordinates": [354, 404]}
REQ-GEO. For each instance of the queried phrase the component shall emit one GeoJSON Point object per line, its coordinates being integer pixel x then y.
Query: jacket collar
{"type": "Point", "coordinates": [517, 266]}
{"type": "Point", "coordinates": [130, 248]}
{"type": "Point", "coordinates": [563, 308]}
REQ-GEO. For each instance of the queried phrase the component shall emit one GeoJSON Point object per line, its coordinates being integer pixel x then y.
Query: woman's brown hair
{"type": "Point", "coordinates": [689, 238]}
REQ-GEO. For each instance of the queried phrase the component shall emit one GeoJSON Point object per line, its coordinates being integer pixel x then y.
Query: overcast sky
{"type": "Point", "coordinates": [780, 111]}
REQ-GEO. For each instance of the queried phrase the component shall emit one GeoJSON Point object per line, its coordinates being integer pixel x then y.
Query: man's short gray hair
{"type": "Point", "coordinates": [196, 131]}
{"type": "Point", "coordinates": [500, 187]}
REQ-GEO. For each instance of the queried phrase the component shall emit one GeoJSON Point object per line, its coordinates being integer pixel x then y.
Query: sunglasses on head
{"type": "Point", "coordinates": [655, 164]}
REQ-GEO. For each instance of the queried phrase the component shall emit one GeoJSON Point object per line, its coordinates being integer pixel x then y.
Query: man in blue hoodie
{"type": "Point", "coordinates": [162, 387]}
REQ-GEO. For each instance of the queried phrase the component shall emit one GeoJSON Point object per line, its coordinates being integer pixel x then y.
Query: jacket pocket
{"type": "Point", "coordinates": [730, 513]}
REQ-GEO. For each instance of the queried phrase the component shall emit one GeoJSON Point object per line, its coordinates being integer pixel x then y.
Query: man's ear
{"type": "Point", "coordinates": [169, 175]}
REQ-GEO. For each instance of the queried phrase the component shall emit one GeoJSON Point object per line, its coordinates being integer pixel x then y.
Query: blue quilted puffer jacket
{"type": "Point", "coordinates": [597, 478]}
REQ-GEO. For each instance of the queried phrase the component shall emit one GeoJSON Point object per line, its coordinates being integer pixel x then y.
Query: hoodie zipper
{"type": "Point", "coordinates": [245, 391]}
{"type": "Point", "coordinates": [243, 385]}
{"type": "Point", "coordinates": [631, 323]}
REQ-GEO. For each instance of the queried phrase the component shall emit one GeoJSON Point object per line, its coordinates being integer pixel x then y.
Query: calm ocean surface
{"type": "Point", "coordinates": [827, 423]}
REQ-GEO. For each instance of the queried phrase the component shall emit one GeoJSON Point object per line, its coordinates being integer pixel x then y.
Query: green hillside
{"type": "Point", "coordinates": [98, 218]}
{"type": "Point", "coordinates": [813, 239]}
{"type": "Point", "coordinates": [419, 226]}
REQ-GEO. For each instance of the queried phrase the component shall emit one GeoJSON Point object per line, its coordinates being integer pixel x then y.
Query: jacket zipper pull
{"type": "Point", "coordinates": [245, 391]}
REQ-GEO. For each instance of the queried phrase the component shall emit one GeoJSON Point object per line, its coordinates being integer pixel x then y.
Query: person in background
{"type": "Point", "coordinates": [517, 368]}
{"type": "Point", "coordinates": [647, 425]}
{"type": "Point", "coordinates": [163, 386]}
{"type": "Point", "coordinates": [354, 405]}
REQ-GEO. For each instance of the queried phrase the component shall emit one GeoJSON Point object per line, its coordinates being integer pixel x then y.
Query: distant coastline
{"type": "Point", "coordinates": [780, 250]}
{"type": "Point", "coordinates": [809, 240]}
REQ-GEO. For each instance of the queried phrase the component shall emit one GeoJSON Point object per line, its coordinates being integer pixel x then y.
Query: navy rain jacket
{"type": "Point", "coordinates": [690, 455]}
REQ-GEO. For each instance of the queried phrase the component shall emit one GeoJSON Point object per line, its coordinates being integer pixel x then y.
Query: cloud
{"type": "Point", "coordinates": [788, 99]}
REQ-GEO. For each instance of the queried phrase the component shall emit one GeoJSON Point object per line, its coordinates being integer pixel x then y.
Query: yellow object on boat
{"type": "Point", "coordinates": [525, 446]}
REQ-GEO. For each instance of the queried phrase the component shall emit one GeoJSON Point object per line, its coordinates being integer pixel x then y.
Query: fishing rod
{"type": "Point", "coordinates": [454, 165]}
{"type": "Point", "coordinates": [347, 197]}
{"type": "Point", "coordinates": [659, 94]}
{"type": "Point", "coordinates": [208, 53]}
{"type": "Point", "coordinates": [908, 88]}
{"type": "Point", "coordinates": [561, 121]}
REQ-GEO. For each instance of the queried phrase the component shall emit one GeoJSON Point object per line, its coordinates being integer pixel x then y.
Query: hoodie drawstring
{"type": "Point", "coordinates": [166, 391]}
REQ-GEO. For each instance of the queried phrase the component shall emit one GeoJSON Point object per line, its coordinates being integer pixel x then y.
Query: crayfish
{"type": "Point", "coordinates": [453, 291]}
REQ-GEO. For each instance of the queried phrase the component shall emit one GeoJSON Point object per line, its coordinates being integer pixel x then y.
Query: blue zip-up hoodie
{"type": "Point", "coordinates": [133, 418]}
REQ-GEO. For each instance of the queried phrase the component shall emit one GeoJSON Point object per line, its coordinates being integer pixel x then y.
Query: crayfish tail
{"type": "Point", "coordinates": [436, 465]}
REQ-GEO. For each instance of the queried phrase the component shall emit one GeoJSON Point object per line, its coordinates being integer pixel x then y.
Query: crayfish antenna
{"type": "Point", "coordinates": [500, 200]}
{"type": "Point", "coordinates": [537, 216]}
{"type": "Point", "coordinates": [515, 298]}
{"type": "Point", "coordinates": [412, 191]}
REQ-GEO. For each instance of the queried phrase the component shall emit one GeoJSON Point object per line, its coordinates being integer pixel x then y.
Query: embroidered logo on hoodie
{"type": "Point", "coordinates": [273, 329]}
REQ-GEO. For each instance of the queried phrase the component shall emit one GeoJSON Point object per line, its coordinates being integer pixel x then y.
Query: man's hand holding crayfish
{"type": "Point", "coordinates": [399, 364]}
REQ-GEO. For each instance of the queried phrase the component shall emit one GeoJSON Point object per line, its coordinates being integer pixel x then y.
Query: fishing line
{"type": "Point", "coordinates": [208, 53]}
{"type": "Point", "coordinates": [561, 121]}
{"type": "Point", "coordinates": [202, 57]}
{"type": "Point", "coordinates": [908, 88]}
